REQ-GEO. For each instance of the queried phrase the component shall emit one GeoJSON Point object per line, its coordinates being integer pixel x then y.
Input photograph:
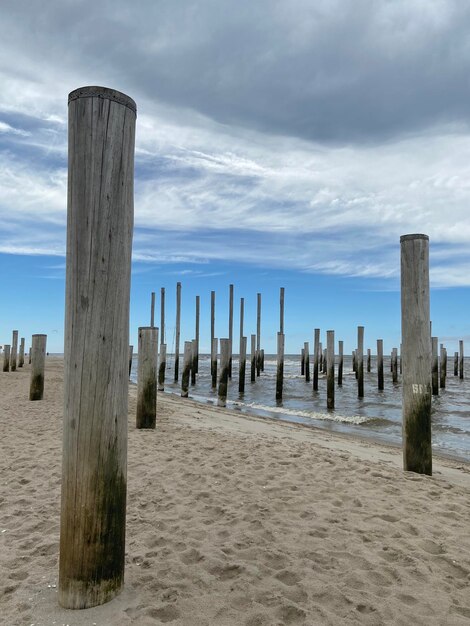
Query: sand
{"type": "Point", "coordinates": [236, 520]}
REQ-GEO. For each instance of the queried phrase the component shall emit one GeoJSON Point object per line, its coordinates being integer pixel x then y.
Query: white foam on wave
{"type": "Point", "coordinates": [313, 415]}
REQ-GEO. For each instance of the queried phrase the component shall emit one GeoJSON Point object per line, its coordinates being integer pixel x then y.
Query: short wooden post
{"type": "Point", "coordinates": [162, 367]}
{"type": "Point", "coordinates": [280, 366]}
{"type": "Point", "coordinates": [307, 362]}
{"type": "Point", "coordinates": [253, 359]}
{"type": "Point", "coordinates": [340, 363]}
{"type": "Point", "coordinates": [417, 451]}
{"type": "Point", "coordinates": [178, 330]}
{"type": "Point", "coordinates": [214, 350]}
{"type": "Point", "coordinates": [152, 310]}
{"type": "Point", "coordinates": [162, 315]}
{"type": "Point", "coordinates": [360, 361]}
{"type": "Point", "coordinates": [38, 360]}
{"type": "Point", "coordinates": [434, 367]}
{"type": "Point", "coordinates": [354, 362]}
{"type": "Point", "coordinates": [302, 362]}
{"type": "Point", "coordinates": [281, 310]}
{"type": "Point", "coordinates": [242, 366]}
{"type": "Point", "coordinates": [230, 329]}
{"type": "Point", "coordinates": [147, 365]}
{"type": "Point", "coordinates": [368, 359]}
{"type": "Point", "coordinates": [223, 376]}
{"type": "Point", "coordinates": [330, 369]}
{"type": "Point", "coordinates": [442, 372]}
{"type": "Point", "coordinates": [131, 354]}
{"type": "Point", "coordinates": [395, 365]}
{"type": "Point", "coordinates": [186, 368]}
{"type": "Point", "coordinates": [316, 355]}
{"type": "Point", "coordinates": [456, 363]}
{"type": "Point", "coordinates": [461, 362]}
{"type": "Point", "coordinates": [324, 361]}
{"type": "Point", "coordinates": [14, 351]}
{"type": "Point", "coordinates": [193, 361]}
{"type": "Point", "coordinates": [198, 311]}
{"type": "Point", "coordinates": [213, 337]}
{"type": "Point", "coordinates": [6, 357]}
{"type": "Point", "coordinates": [21, 353]}
{"type": "Point", "coordinates": [262, 359]}
{"type": "Point", "coordinates": [99, 241]}
{"type": "Point", "coordinates": [380, 364]}
{"type": "Point", "coordinates": [258, 335]}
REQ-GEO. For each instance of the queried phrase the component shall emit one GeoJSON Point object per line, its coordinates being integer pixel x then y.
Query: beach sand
{"type": "Point", "coordinates": [236, 520]}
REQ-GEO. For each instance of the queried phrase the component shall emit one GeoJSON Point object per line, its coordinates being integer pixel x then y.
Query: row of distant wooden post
{"type": "Point", "coordinates": [13, 358]}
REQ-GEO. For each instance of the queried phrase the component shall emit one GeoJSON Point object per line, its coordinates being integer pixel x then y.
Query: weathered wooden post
{"type": "Point", "coordinates": [368, 359]}
{"type": "Point", "coordinates": [395, 365]}
{"type": "Point", "coordinates": [214, 350]}
{"type": "Point", "coordinates": [178, 330]}
{"type": "Point", "coordinates": [302, 362]}
{"type": "Point", "coordinates": [162, 315]}
{"type": "Point", "coordinates": [99, 241]}
{"type": "Point", "coordinates": [320, 357]}
{"type": "Point", "coordinates": [213, 336]}
{"type": "Point", "coordinates": [262, 359]}
{"type": "Point", "coordinates": [147, 365]}
{"type": "Point", "coordinates": [461, 362]}
{"type": "Point", "coordinates": [152, 310]}
{"type": "Point", "coordinates": [280, 366]}
{"type": "Point", "coordinates": [230, 328]}
{"type": "Point", "coordinates": [444, 365]}
{"type": "Point", "coordinates": [253, 359]}
{"type": "Point", "coordinates": [434, 367]}
{"type": "Point", "coordinates": [131, 354]}
{"type": "Point", "coordinates": [442, 373]}
{"type": "Point", "coordinates": [196, 360]}
{"type": "Point", "coordinates": [401, 359]}
{"type": "Point", "coordinates": [281, 310]}
{"type": "Point", "coordinates": [29, 356]}
{"type": "Point", "coordinates": [162, 367]}
{"type": "Point", "coordinates": [380, 364]}
{"type": "Point", "coordinates": [417, 451]}
{"type": "Point", "coordinates": [324, 361]}
{"type": "Point", "coordinates": [21, 353]}
{"type": "Point", "coordinates": [193, 358]}
{"type": "Point", "coordinates": [330, 369]}
{"type": "Point", "coordinates": [258, 335]}
{"type": "Point", "coordinates": [38, 360]}
{"type": "Point", "coordinates": [14, 351]}
{"type": "Point", "coordinates": [360, 361]}
{"type": "Point", "coordinates": [316, 352]}
{"type": "Point", "coordinates": [6, 357]}
{"type": "Point", "coordinates": [186, 368]}
{"type": "Point", "coordinates": [456, 363]}
{"type": "Point", "coordinates": [223, 376]}
{"type": "Point", "coordinates": [354, 362]}
{"type": "Point", "coordinates": [340, 363]}
{"type": "Point", "coordinates": [242, 366]}
{"type": "Point", "coordinates": [307, 362]}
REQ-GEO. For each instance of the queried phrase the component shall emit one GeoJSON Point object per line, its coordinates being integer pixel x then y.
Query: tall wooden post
{"type": "Point", "coordinates": [324, 361]}
{"type": "Point", "coordinates": [340, 363]}
{"type": "Point", "coordinates": [443, 371]}
{"type": "Point", "coordinates": [417, 451]}
{"type": "Point", "coordinates": [461, 362]}
{"type": "Point", "coordinates": [434, 367]}
{"type": "Point", "coordinates": [178, 330]}
{"type": "Point", "coordinates": [368, 359]}
{"type": "Point", "coordinates": [253, 359]}
{"type": "Point", "coordinates": [21, 353]}
{"type": "Point", "coordinates": [196, 360]}
{"type": "Point", "coordinates": [330, 369]}
{"type": "Point", "coordinates": [6, 357]}
{"type": "Point", "coordinates": [213, 336]}
{"type": "Point", "coordinates": [162, 367]}
{"type": "Point", "coordinates": [223, 376]}
{"type": "Point", "coordinates": [152, 310]}
{"type": "Point", "coordinates": [186, 368]}
{"type": "Point", "coordinates": [302, 362]}
{"type": "Point", "coordinates": [242, 366]}
{"type": "Point", "coordinates": [214, 350]}
{"type": "Point", "coordinates": [99, 242]}
{"type": "Point", "coordinates": [14, 351]}
{"type": "Point", "coordinates": [258, 335]}
{"type": "Point", "coordinates": [281, 310]}
{"type": "Point", "coordinates": [307, 361]}
{"type": "Point", "coordinates": [162, 315]}
{"type": "Point", "coordinates": [380, 364]}
{"type": "Point", "coordinates": [131, 354]}
{"type": "Point", "coordinates": [395, 365]}
{"type": "Point", "coordinates": [360, 361]}
{"type": "Point", "coordinates": [38, 360]}
{"type": "Point", "coordinates": [230, 329]}
{"type": "Point", "coordinates": [147, 365]}
{"type": "Point", "coordinates": [242, 317]}
{"type": "Point", "coordinates": [193, 357]}
{"type": "Point", "coordinates": [316, 351]}
{"type": "Point", "coordinates": [280, 366]}
{"type": "Point", "coordinates": [456, 363]}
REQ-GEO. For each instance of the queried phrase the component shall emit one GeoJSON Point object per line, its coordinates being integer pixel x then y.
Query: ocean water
{"type": "Point", "coordinates": [376, 416]}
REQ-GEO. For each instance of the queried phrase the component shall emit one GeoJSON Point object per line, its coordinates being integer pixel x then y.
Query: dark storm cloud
{"type": "Point", "coordinates": [350, 70]}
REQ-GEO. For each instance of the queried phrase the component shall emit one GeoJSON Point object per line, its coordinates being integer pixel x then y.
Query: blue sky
{"type": "Point", "coordinates": [278, 144]}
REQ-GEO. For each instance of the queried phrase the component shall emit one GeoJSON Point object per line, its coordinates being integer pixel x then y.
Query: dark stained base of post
{"type": "Point", "coordinates": [36, 390]}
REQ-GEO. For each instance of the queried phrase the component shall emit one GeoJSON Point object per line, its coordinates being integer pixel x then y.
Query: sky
{"type": "Point", "coordinates": [280, 143]}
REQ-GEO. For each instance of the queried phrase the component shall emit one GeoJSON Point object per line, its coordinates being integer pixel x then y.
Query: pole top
{"type": "Point", "coordinates": [415, 236]}
{"type": "Point", "coordinates": [105, 93]}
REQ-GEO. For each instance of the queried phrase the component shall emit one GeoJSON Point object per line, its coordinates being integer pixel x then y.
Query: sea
{"type": "Point", "coordinates": [376, 416]}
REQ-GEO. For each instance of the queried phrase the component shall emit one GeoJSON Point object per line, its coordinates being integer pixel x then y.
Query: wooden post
{"type": "Point", "coordinates": [193, 361]}
{"type": "Point", "coordinates": [223, 376]}
{"type": "Point", "coordinates": [242, 317]}
{"type": "Point", "coordinates": [354, 363]}
{"type": "Point", "coordinates": [29, 356]}
{"type": "Point", "coordinates": [417, 451]}
{"type": "Point", "coordinates": [178, 330]}
{"type": "Point", "coordinates": [461, 362]}
{"type": "Point", "coordinates": [456, 363]}
{"type": "Point", "coordinates": [307, 362]}
{"type": "Point", "coordinates": [281, 310]}
{"type": "Point", "coordinates": [258, 335]}
{"type": "Point", "coordinates": [152, 310]}
{"type": "Point", "coordinates": [131, 354]}
{"type": "Point", "coordinates": [198, 310]}
{"type": "Point", "coordinates": [442, 372]}
{"type": "Point", "coordinates": [444, 367]}
{"type": "Point", "coordinates": [38, 360]}
{"type": "Point", "coordinates": [324, 361]}
{"type": "Point", "coordinates": [6, 357]}
{"type": "Point", "coordinates": [99, 241]}
{"type": "Point", "coordinates": [302, 362]}
{"type": "Point", "coordinates": [434, 367]}
{"type": "Point", "coordinates": [162, 315]}
{"type": "Point", "coordinates": [214, 350]}
{"type": "Point", "coordinates": [147, 366]}
{"type": "Point", "coordinates": [320, 357]}
{"type": "Point", "coordinates": [253, 358]}
{"type": "Point", "coordinates": [21, 353]}
{"type": "Point", "coordinates": [340, 363]}
{"type": "Point", "coordinates": [186, 368]}
{"type": "Point", "coordinates": [360, 361]}
{"type": "Point", "coordinates": [395, 365]}
{"type": "Point", "coordinates": [262, 359]}
{"type": "Point", "coordinates": [14, 351]}
{"type": "Point", "coordinates": [230, 329]}
{"type": "Point", "coordinates": [213, 337]}
{"type": "Point", "coordinates": [380, 364]}
{"type": "Point", "coordinates": [280, 366]}
{"type": "Point", "coordinates": [330, 369]}
{"type": "Point", "coordinates": [316, 351]}
{"type": "Point", "coordinates": [401, 359]}
{"type": "Point", "coordinates": [162, 367]}
{"type": "Point", "coordinates": [242, 366]}
{"type": "Point", "coordinates": [368, 359]}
